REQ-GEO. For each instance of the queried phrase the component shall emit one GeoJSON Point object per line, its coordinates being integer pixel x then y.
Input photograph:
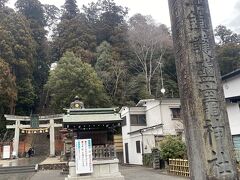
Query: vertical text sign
{"type": "Point", "coordinates": [83, 156]}
{"type": "Point", "coordinates": [34, 122]}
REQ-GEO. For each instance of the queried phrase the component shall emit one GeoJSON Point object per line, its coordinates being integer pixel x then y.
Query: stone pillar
{"type": "Point", "coordinates": [208, 136]}
{"type": "Point", "coordinates": [52, 138]}
{"type": "Point", "coordinates": [16, 138]}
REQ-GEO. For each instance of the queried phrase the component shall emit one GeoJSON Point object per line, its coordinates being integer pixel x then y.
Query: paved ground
{"type": "Point", "coordinates": [48, 175]}
{"type": "Point", "coordinates": [19, 176]}
{"type": "Point", "coordinates": [53, 160]}
{"type": "Point", "coordinates": [22, 161]}
{"type": "Point", "coordinates": [142, 173]}
{"type": "Point", "coordinates": [130, 173]}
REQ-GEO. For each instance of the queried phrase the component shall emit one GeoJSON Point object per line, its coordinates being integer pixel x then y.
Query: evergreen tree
{"type": "Point", "coordinates": [70, 10]}
{"type": "Point", "coordinates": [112, 70]}
{"type": "Point", "coordinates": [8, 94]}
{"type": "Point", "coordinates": [74, 77]}
{"type": "Point", "coordinates": [74, 35]}
{"type": "Point", "coordinates": [228, 49]}
{"type": "Point", "coordinates": [8, 89]}
{"type": "Point", "coordinates": [34, 12]}
{"type": "Point", "coordinates": [17, 48]}
{"type": "Point", "coordinates": [51, 15]}
{"type": "Point", "coordinates": [228, 57]}
{"type": "Point", "coordinates": [106, 18]}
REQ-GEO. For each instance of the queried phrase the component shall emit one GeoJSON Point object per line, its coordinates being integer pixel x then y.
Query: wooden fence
{"type": "Point", "coordinates": [118, 143]}
{"type": "Point", "coordinates": [179, 167]}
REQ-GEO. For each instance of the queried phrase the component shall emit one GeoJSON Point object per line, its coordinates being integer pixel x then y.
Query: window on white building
{"type": "Point", "coordinates": [138, 119]}
{"type": "Point", "coordinates": [124, 121]}
{"type": "Point", "coordinates": [176, 113]}
{"type": "Point", "coordinates": [138, 146]}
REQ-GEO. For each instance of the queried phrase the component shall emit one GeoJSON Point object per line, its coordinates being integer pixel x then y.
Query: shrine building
{"type": "Point", "coordinates": [102, 125]}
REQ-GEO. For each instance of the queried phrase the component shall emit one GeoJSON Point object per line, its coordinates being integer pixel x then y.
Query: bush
{"type": "Point", "coordinates": [172, 147]}
{"type": "Point", "coordinates": [148, 160]}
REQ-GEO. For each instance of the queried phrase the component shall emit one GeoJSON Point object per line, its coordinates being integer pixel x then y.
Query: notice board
{"type": "Point", "coordinates": [6, 152]}
{"type": "Point", "coordinates": [83, 156]}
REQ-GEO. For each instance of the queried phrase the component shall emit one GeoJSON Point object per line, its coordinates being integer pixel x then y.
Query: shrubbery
{"type": "Point", "coordinates": [172, 147]}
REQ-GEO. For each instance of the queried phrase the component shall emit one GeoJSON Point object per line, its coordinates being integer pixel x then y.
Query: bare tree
{"type": "Point", "coordinates": [149, 42]}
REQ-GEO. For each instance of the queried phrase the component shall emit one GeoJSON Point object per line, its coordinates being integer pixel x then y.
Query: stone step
{"type": "Point", "coordinates": [17, 169]}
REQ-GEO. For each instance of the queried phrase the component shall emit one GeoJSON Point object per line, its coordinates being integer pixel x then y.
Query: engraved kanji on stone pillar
{"type": "Point", "coordinates": [205, 119]}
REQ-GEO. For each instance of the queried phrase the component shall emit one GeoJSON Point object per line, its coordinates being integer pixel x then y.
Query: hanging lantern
{"type": "Point", "coordinates": [23, 131]}
{"type": "Point", "coordinates": [35, 132]}
{"type": "Point", "coordinates": [46, 130]}
{"type": "Point", "coordinates": [40, 131]}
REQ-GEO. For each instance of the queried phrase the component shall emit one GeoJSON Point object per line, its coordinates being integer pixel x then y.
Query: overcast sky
{"type": "Point", "coordinates": [226, 12]}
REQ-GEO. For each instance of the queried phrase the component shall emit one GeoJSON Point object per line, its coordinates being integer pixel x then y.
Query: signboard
{"type": "Point", "coordinates": [83, 156]}
{"type": "Point", "coordinates": [34, 123]}
{"type": "Point", "coordinates": [6, 152]}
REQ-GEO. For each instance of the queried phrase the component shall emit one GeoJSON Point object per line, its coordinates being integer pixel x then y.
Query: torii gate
{"type": "Point", "coordinates": [51, 125]}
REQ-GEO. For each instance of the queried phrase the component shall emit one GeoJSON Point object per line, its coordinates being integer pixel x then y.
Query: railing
{"type": "Point", "coordinates": [104, 152]}
{"type": "Point", "coordinates": [101, 152]}
{"type": "Point", "coordinates": [179, 167]}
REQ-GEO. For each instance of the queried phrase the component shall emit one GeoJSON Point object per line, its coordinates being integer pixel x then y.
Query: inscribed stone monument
{"type": "Point", "coordinates": [205, 118]}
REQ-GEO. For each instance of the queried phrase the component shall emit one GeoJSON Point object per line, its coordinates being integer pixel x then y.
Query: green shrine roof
{"type": "Point", "coordinates": [91, 115]}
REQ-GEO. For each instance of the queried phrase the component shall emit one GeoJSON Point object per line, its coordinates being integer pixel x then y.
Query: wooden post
{"type": "Point", "coordinates": [206, 123]}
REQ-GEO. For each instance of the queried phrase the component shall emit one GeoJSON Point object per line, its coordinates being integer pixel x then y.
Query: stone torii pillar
{"type": "Point", "coordinates": [209, 141]}
{"type": "Point", "coordinates": [52, 138]}
{"type": "Point", "coordinates": [16, 137]}
{"type": "Point", "coordinates": [17, 126]}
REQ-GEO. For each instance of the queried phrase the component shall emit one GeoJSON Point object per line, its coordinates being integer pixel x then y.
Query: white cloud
{"type": "Point", "coordinates": [234, 22]}
{"type": "Point", "coordinates": [223, 11]}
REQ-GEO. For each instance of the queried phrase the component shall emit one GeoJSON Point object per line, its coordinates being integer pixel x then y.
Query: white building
{"type": "Point", "coordinates": [231, 87]}
{"type": "Point", "coordinates": [145, 125]}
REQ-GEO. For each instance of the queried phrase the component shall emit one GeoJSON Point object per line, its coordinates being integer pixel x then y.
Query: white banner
{"type": "Point", "coordinates": [83, 156]}
{"type": "Point", "coordinates": [6, 152]}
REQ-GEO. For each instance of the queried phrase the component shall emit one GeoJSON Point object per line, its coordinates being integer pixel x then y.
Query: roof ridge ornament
{"type": "Point", "coordinates": [77, 104]}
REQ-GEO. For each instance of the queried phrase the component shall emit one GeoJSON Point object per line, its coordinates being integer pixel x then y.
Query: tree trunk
{"type": "Point", "coordinates": [149, 86]}
{"type": "Point", "coordinates": [12, 106]}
